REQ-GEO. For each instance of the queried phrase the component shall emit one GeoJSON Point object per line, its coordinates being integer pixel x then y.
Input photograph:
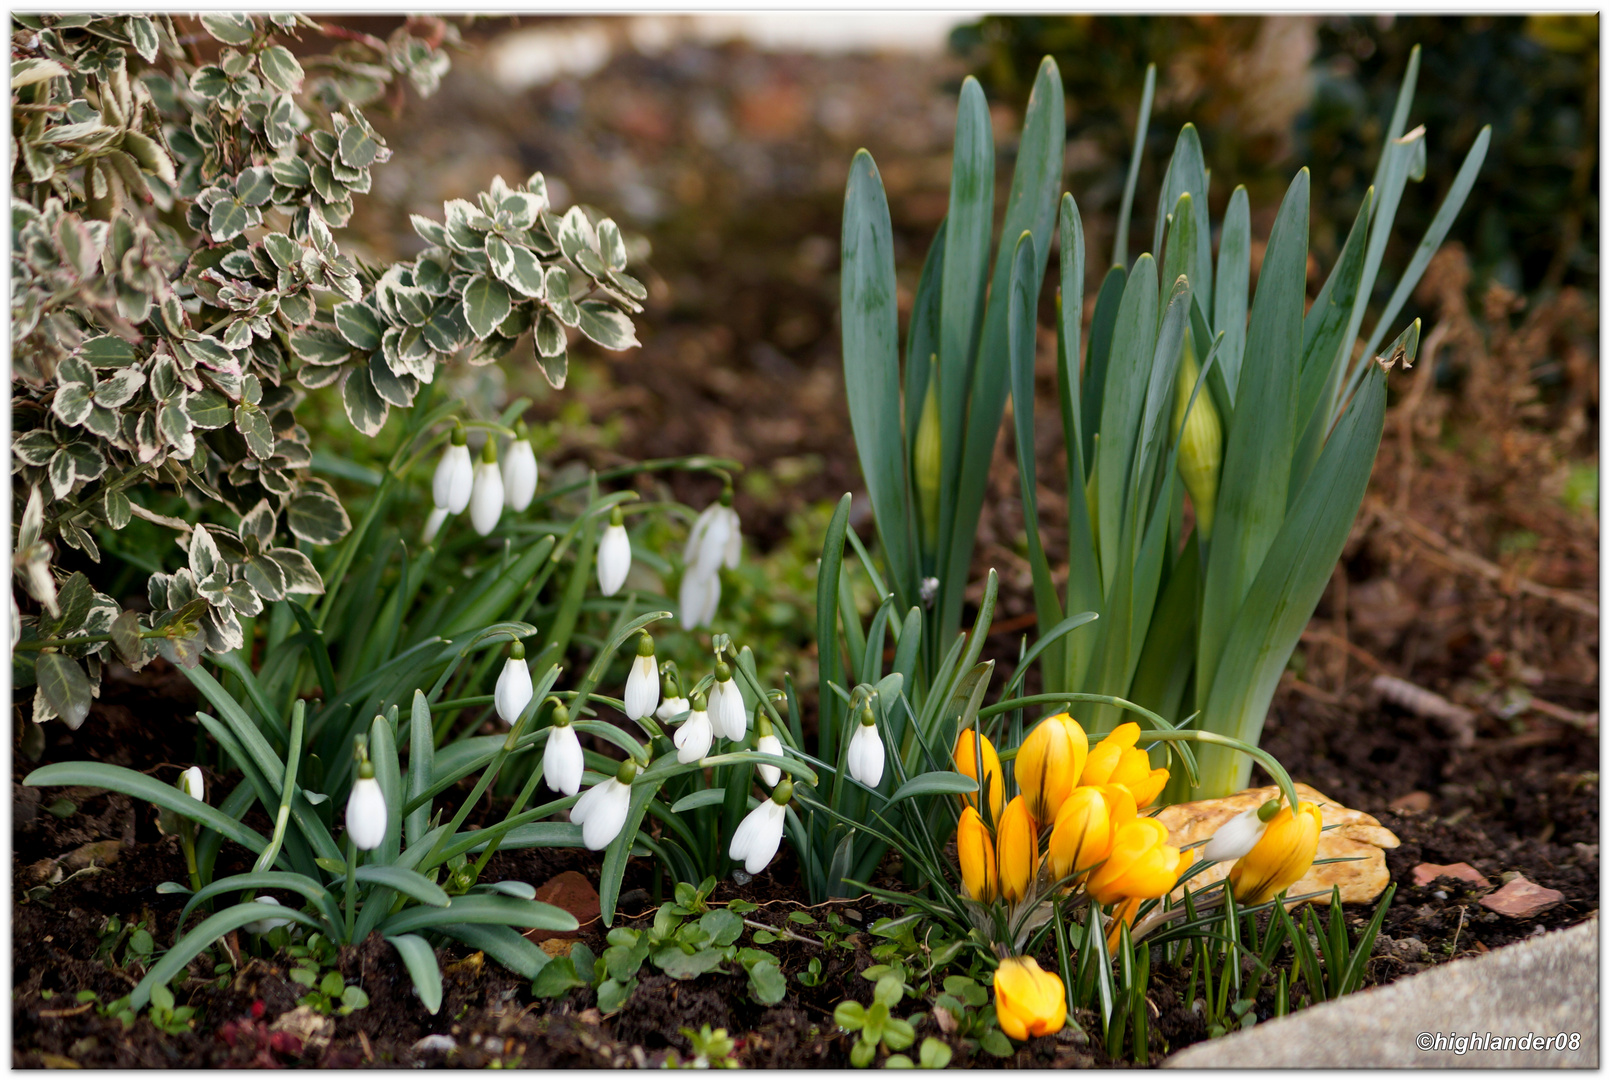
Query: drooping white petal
{"type": "Point", "coordinates": [712, 545]}
{"type": "Point", "coordinates": [757, 837]}
{"type": "Point", "coordinates": [263, 926]}
{"type": "Point", "coordinates": [614, 559]}
{"type": "Point", "coordinates": [670, 709]}
{"type": "Point", "coordinates": [865, 757]}
{"type": "Point", "coordinates": [513, 691]}
{"type": "Point", "coordinates": [693, 738]}
{"type": "Point", "coordinates": [519, 475]}
{"type": "Point", "coordinates": [562, 762]}
{"type": "Point", "coordinates": [735, 540]}
{"type": "Point", "coordinates": [642, 688]}
{"type": "Point", "coordinates": [433, 523]}
{"type": "Point", "coordinates": [486, 503]}
{"type": "Point", "coordinates": [696, 534]}
{"type": "Point", "coordinates": [1235, 837]}
{"type": "Point", "coordinates": [194, 784]}
{"type": "Point", "coordinates": [366, 814]}
{"type": "Point", "coordinates": [454, 480]}
{"type": "Point", "coordinates": [769, 744]}
{"type": "Point", "coordinates": [601, 812]}
{"type": "Point", "coordinates": [730, 717]}
{"type": "Point", "coordinates": [698, 598]}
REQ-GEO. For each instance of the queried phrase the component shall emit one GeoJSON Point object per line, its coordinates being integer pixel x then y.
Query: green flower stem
{"type": "Point", "coordinates": [352, 886]}
{"type": "Point", "coordinates": [266, 860]}
{"type": "Point", "coordinates": [187, 840]}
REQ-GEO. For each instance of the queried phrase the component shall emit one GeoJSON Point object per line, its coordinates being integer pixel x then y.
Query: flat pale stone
{"type": "Point", "coordinates": [1546, 987]}
{"type": "Point", "coordinates": [1358, 837]}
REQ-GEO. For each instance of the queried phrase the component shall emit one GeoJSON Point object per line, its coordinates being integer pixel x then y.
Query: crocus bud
{"type": "Point", "coordinates": [486, 503]}
{"type": "Point", "coordinates": [1117, 760]}
{"type": "Point", "coordinates": [519, 471]}
{"type": "Point", "coordinates": [366, 810]}
{"type": "Point", "coordinates": [759, 834]}
{"type": "Point", "coordinates": [727, 712]}
{"type": "Point", "coordinates": [767, 742]}
{"type": "Point", "coordinates": [513, 691]}
{"type": "Point", "coordinates": [614, 555]}
{"type": "Point", "coordinates": [1280, 857]}
{"type": "Point", "coordinates": [193, 784]}
{"type": "Point", "coordinates": [975, 850]}
{"type": "Point", "coordinates": [561, 758]}
{"type": "Point", "coordinates": [865, 756]}
{"type": "Point", "coordinates": [926, 458]}
{"type": "Point", "coordinates": [601, 812]}
{"type": "Point", "coordinates": [455, 476]}
{"type": "Point", "coordinates": [1201, 441]}
{"type": "Point", "coordinates": [1140, 866]}
{"type": "Point", "coordinates": [643, 681]}
{"type": "Point", "coordinates": [694, 737]}
{"type": "Point", "coordinates": [992, 780]}
{"type": "Point", "coordinates": [1017, 850]}
{"type": "Point", "coordinates": [1029, 1001]}
{"type": "Point", "coordinates": [1049, 763]}
{"type": "Point", "coordinates": [1240, 834]}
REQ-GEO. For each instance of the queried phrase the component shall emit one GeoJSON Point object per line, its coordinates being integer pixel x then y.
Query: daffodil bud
{"type": "Point", "coordinates": [455, 476]}
{"type": "Point", "coordinates": [1141, 865]}
{"type": "Point", "coordinates": [562, 763]}
{"type": "Point", "coordinates": [486, 500]}
{"type": "Point", "coordinates": [1017, 850]}
{"type": "Point", "coordinates": [767, 742]}
{"type": "Point", "coordinates": [759, 834]}
{"type": "Point", "coordinates": [865, 756]}
{"type": "Point", "coordinates": [727, 712]}
{"type": "Point", "coordinates": [1117, 760]}
{"type": "Point", "coordinates": [614, 555]}
{"type": "Point", "coordinates": [1240, 834]}
{"type": "Point", "coordinates": [1049, 763]}
{"type": "Point", "coordinates": [601, 811]}
{"type": "Point", "coordinates": [693, 738]}
{"type": "Point", "coordinates": [993, 780]}
{"type": "Point", "coordinates": [1029, 1001]}
{"type": "Point", "coordinates": [519, 471]}
{"type": "Point", "coordinates": [643, 681]}
{"type": "Point", "coordinates": [513, 690]}
{"type": "Point", "coordinates": [926, 458]}
{"type": "Point", "coordinates": [975, 850]}
{"type": "Point", "coordinates": [1201, 441]}
{"type": "Point", "coordinates": [1280, 857]}
{"type": "Point", "coordinates": [366, 810]}
{"type": "Point", "coordinates": [193, 783]}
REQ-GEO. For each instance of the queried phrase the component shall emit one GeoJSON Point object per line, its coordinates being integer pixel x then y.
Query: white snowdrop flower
{"type": "Point", "coordinates": [193, 784]}
{"type": "Point", "coordinates": [694, 737]}
{"type": "Point", "coordinates": [433, 523]}
{"type": "Point", "coordinates": [1240, 834]}
{"type": "Point", "coordinates": [643, 681]}
{"type": "Point", "coordinates": [865, 757]}
{"type": "Point", "coordinates": [729, 716]}
{"type": "Point", "coordinates": [519, 471]}
{"type": "Point", "coordinates": [486, 501]}
{"type": "Point", "coordinates": [455, 477]}
{"type": "Point", "coordinates": [758, 835]}
{"type": "Point", "coordinates": [768, 743]}
{"type": "Point", "coordinates": [263, 926]}
{"type": "Point", "coordinates": [513, 691]}
{"type": "Point", "coordinates": [715, 539]}
{"type": "Point", "coordinates": [614, 556]}
{"type": "Point", "coordinates": [601, 812]}
{"type": "Point", "coordinates": [698, 598]}
{"type": "Point", "coordinates": [561, 757]}
{"type": "Point", "coordinates": [366, 810]}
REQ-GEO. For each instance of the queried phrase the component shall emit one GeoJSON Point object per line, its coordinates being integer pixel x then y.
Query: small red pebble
{"type": "Point", "coordinates": [1426, 873]}
{"type": "Point", "coordinates": [1521, 899]}
{"type": "Point", "coordinates": [258, 1009]}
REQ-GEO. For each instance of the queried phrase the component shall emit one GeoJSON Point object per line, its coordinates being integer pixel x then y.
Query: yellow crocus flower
{"type": "Point", "coordinates": [993, 778]}
{"type": "Point", "coordinates": [1049, 763]}
{"type": "Point", "coordinates": [1141, 865]}
{"type": "Point", "coordinates": [1085, 826]}
{"type": "Point", "coordinates": [1029, 1001]}
{"type": "Point", "coordinates": [1280, 858]}
{"type": "Point", "coordinates": [976, 853]}
{"type": "Point", "coordinates": [1017, 850]}
{"type": "Point", "coordinates": [1117, 760]}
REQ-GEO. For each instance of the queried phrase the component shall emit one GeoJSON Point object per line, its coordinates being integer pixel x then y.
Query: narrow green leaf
{"type": "Point", "coordinates": [420, 960]}
{"type": "Point", "coordinates": [148, 789]}
{"type": "Point", "coordinates": [1143, 117]}
{"type": "Point", "coordinates": [480, 908]}
{"type": "Point", "coordinates": [202, 937]}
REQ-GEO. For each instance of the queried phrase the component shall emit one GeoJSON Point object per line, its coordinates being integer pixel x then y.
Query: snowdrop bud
{"type": "Point", "coordinates": [673, 704]}
{"type": "Point", "coordinates": [366, 810]}
{"type": "Point", "coordinates": [486, 504]}
{"type": "Point", "coordinates": [433, 524]}
{"type": "Point", "coordinates": [513, 691]}
{"type": "Point", "coordinates": [561, 758]}
{"type": "Point", "coordinates": [519, 471]}
{"type": "Point", "coordinates": [614, 556]}
{"type": "Point", "coordinates": [455, 476]}
{"type": "Point", "coordinates": [193, 784]}
{"type": "Point", "coordinates": [767, 743]}
{"type": "Point", "coordinates": [865, 758]}
{"type": "Point", "coordinates": [643, 681]}
{"type": "Point", "coordinates": [1239, 835]}
{"type": "Point", "coordinates": [731, 719]}
{"type": "Point", "coordinates": [263, 926]}
{"type": "Point", "coordinates": [758, 835]}
{"type": "Point", "coordinates": [694, 737]}
{"type": "Point", "coordinates": [601, 812]}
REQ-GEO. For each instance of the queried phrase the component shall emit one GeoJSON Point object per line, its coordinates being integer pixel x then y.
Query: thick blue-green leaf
{"type": "Point", "coordinates": [203, 936]}
{"type": "Point", "coordinates": [480, 908]}
{"type": "Point", "coordinates": [408, 882]}
{"type": "Point", "coordinates": [1128, 369]}
{"type": "Point", "coordinates": [1186, 175]}
{"type": "Point", "coordinates": [1084, 572]}
{"type": "Point", "coordinates": [267, 879]}
{"type": "Point", "coordinates": [117, 778]}
{"type": "Point", "coordinates": [934, 783]}
{"type": "Point", "coordinates": [1093, 386]}
{"type": "Point", "coordinates": [1230, 285]}
{"type": "Point", "coordinates": [420, 960]}
{"type": "Point", "coordinates": [421, 759]}
{"type": "Point", "coordinates": [508, 947]}
{"type": "Point", "coordinates": [1143, 117]}
{"type": "Point", "coordinates": [707, 797]}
